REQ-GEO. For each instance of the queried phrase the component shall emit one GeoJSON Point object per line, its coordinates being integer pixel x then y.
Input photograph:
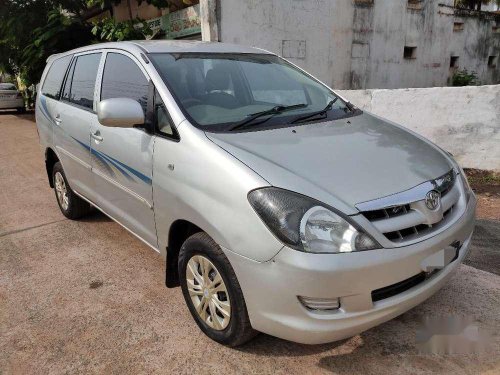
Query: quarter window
{"type": "Point", "coordinates": [122, 78]}
{"type": "Point", "coordinates": [81, 80]}
{"type": "Point", "coordinates": [53, 81]}
{"type": "Point", "coordinates": [163, 120]}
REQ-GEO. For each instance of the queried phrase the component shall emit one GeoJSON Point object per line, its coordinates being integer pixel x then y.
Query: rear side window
{"type": "Point", "coordinates": [53, 81]}
{"type": "Point", "coordinates": [80, 85]}
{"type": "Point", "coordinates": [122, 78]}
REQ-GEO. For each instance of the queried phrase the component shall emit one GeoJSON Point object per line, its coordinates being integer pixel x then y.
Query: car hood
{"type": "Point", "coordinates": [341, 162]}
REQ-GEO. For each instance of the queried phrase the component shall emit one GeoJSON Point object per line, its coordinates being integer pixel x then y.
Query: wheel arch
{"type": "Point", "coordinates": [180, 230]}
{"type": "Point", "coordinates": [50, 159]}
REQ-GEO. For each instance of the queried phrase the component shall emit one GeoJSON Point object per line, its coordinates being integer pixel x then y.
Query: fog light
{"type": "Point", "coordinates": [320, 304]}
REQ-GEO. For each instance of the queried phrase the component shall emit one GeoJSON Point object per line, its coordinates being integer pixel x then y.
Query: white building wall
{"type": "Point", "coordinates": [474, 44]}
{"type": "Point", "coordinates": [360, 43]}
{"type": "Point", "coordinates": [396, 26]}
{"type": "Point", "coordinates": [462, 120]}
{"type": "Point", "coordinates": [316, 35]}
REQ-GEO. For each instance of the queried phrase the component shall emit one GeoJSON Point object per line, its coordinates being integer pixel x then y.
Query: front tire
{"type": "Point", "coordinates": [71, 205]}
{"type": "Point", "coordinates": [212, 292]}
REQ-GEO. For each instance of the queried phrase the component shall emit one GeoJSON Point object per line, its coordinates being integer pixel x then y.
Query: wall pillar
{"type": "Point", "coordinates": [209, 25]}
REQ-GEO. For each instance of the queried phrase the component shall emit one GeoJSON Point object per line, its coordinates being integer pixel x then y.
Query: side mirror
{"type": "Point", "coordinates": [120, 113]}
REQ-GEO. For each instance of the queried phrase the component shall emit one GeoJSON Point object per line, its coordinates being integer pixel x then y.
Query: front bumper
{"type": "Point", "coordinates": [11, 103]}
{"type": "Point", "coordinates": [271, 288]}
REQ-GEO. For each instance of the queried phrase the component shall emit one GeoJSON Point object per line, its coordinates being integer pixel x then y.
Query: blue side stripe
{"type": "Point", "coordinates": [118, 164]}
{"type": "Point", "coordinates": [106, 158]}
{"type": "Point", "coordinates": [97, 155]}
{"type": "Point", "coordinates": [93, 152]}
{"type": "Point", "coordinates": [44, 109]}
{"type": "Point", "coordinates": [143, 177]}
{"type": "Point", "coordinates": [82, 144]}
{"type": "Point", "coordinates": [43, 113]}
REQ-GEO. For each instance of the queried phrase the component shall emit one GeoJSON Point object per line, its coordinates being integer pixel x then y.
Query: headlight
{"type": "Point", "coordinates": [305, 224]}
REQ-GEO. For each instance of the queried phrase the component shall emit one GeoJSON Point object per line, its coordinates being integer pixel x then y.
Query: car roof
{"type": "Point", "coordinates": [155, 46]}
{"type": "Point", "coordinates": [168, 46]}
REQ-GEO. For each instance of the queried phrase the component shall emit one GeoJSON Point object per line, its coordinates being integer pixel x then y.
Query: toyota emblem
{"type": "Point", "coordinates": [432, 200]}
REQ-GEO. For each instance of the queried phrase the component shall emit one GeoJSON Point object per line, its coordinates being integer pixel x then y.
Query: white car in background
{"type": "Point", "coordinates": [11, 98]}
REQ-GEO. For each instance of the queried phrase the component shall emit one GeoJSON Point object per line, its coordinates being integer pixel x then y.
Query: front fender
{"type": "Point", "coordinates": [197, 181]}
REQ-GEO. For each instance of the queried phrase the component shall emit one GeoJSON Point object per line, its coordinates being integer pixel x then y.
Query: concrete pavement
{"type": "Point", "coordinates": [87, 296]}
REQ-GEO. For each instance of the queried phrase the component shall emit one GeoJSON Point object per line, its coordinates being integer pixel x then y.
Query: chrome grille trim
{"type": "Point", "coordinates": [411, 220]}
{"type": "Point", "coordinates": [441, 184]}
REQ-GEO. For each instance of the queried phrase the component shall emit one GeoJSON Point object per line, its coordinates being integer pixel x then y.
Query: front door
{"type": "Point", "coordinates": [122, 158]}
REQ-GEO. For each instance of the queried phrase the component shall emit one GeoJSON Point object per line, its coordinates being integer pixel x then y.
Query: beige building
{"type": "Point", "coordinates": [181, 20]}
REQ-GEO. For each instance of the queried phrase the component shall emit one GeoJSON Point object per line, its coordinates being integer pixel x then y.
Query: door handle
{"type": "Point", "coordinates": [97, 136]}
{"type": "Point", "coordinates": [57, 119]}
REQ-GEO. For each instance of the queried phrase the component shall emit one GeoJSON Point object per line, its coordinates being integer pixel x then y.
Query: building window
{"type": "Point", "coordinates": [454, 62]}
{"type": "Point", "coordinates": [415, 4]}
{"type": "Point", "coordinates": [410, 52]}
{"type": "Point", "coordinates": [492, 61]}
{"type": "Point", "coordinates": [458, 26]}
{"type": "Point", "coordinates": [363, 3]}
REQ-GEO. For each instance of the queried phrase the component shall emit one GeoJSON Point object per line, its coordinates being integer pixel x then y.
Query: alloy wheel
{"type": "Point", "coordinates": [61, 191]}
{"type": "Point", "coordinates": [208, 292]}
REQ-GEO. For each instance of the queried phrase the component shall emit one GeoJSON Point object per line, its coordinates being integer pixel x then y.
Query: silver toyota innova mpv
{"type": "Point", "coordinates": [278, 205]}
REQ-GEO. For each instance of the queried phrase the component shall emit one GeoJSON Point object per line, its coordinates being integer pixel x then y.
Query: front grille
{"type": "Point", "coordinates": [394, 289]}
{"type": "Point", "coordinates": [411, 221]}
{"type": "Point", "coordinates": [417, 230]}
{"type": "Point", "coordinates": [387, 212]}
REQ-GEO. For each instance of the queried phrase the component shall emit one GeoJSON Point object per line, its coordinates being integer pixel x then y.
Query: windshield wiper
{"type": "Point", "coordinates": [273, 111]}
{"type": "Point", "coordinates": [317, 113]}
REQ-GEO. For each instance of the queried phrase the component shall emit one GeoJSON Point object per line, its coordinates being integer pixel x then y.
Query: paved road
{"type": "Point", "coordinates": [87, 296]}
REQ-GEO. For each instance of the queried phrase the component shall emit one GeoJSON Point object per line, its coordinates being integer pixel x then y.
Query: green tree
{"type": "Point", "coordinates": [465, 78]}
{"type": "Point", "coordinates": [111, 30]}
{"type": "Point", "coordinates": [32, 30]}
{"type": "Point", "coordinates": [60, 33]}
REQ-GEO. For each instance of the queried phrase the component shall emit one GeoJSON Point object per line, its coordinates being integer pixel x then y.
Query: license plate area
{"type": "Point", "coordinates": [442, 258]}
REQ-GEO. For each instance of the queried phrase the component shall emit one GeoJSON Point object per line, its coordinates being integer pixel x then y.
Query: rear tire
{"type": "Point", "coordinates": [223, 314]}
{"type": "Point", "coordinates": [71, 205]}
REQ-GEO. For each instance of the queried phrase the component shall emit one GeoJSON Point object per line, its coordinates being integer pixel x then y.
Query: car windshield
{"type": "Point", "coordinates": [217, 91]}
{"type": "Point", "coordinates": [7, 86]}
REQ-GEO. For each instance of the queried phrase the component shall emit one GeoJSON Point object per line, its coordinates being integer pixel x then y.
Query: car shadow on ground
{"type": "Point", "coordinates": [381, 340]}
{"type": "Point", "coordinates": [269, 346]}
{"type": "Point", "coordinates": [379, 350]}
{"type": "Point", "coordinates": [8, 112]}
{"type": "Point", "coordinates": [28, 115]}
{"type": "Point", "coordinates": [95, 216]}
